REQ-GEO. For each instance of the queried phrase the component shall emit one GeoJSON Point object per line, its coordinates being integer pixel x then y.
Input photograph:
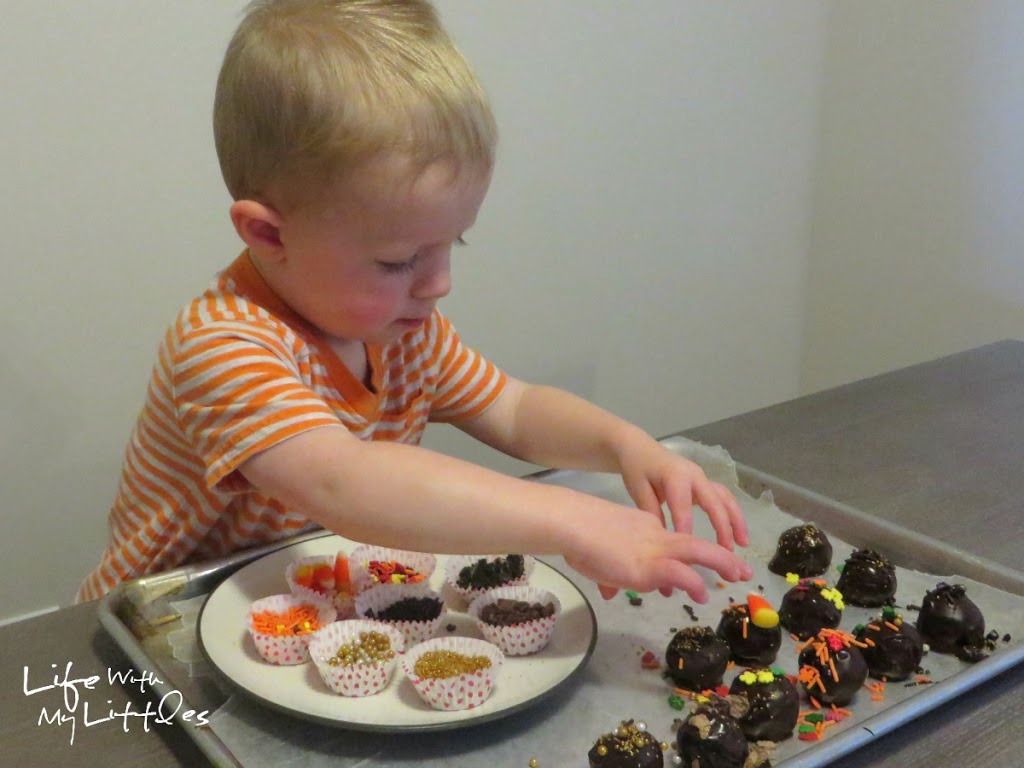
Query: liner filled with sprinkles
{"type": "Point", "coordinates": [371, 566]}
{"type": "Point", "coordinates": [384, 596]}
{"type": "Point", "coordinates": [282, 625]}
{"type": "Point", "coordinates": [351, 658]}
{"type": "Point", "coordinates": [339, 595]}
{"type": "Point", "coordinates": [523, 638]}
{"type": "Point", "coordinates": [437, 679]}
{"type": "Point", "coordinates": [455, 564]}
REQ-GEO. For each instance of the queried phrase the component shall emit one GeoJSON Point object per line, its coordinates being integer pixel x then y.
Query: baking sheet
{"type": "Point", "coordinates": [559, 731]}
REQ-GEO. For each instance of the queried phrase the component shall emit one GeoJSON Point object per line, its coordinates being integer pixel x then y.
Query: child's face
{"type": "Point", "coordinates": [370, 262]}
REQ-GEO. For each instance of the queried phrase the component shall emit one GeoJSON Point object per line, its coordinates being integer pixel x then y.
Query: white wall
{"type": "Point", "coordinates": [918, 239]}
{"type": "Point", "coordinates": [643, 245]}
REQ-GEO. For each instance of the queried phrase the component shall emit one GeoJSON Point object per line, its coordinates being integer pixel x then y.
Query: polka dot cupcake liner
{"type": "Point", "coordinates": [353, 680]}
{"type": "Point", "coordinates": [362, 579]}
{"type": "Point", "coordinates": [458, 692]}
{"type": "Point", "coordinates": [382, 596]}
{"type": "Point", "coordinates": [287, 649]}
{"type": "Point", "coordinates": [453, 567]}
{"type": "Point", "coordinates": [343, 602]}
{"type": "Point", "coordinates": [517, 639]}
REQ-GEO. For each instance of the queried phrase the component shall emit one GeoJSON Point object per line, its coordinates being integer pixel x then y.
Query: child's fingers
{"type": "Point", "coordinates": [739, 523]}
{"type": "Point", "coordinates": [681, 576]}
{"type": "Point", "coordinates": [644, 497]}
{"type": "Point", "coordinates": [607, 592]}
{"type": "Point", "coordinates": [697, 551]}
{"type": "Point", "coordinates": [703, 492]}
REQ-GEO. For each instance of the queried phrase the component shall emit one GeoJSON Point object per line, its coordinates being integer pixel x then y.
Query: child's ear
{"type": "Point", "coordinates": [258, 225]}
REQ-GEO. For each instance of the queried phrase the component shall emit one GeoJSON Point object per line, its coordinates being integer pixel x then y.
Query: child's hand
{"type": "Point", "coordinates": [654, 476]}
{"type": "Point", "coordinates": [626, 548]}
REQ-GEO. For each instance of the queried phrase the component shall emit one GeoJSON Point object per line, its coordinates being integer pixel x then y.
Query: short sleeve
{"type": "Point", "coordinates": [238, 390]}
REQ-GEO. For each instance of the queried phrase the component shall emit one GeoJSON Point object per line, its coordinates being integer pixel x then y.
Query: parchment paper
{"type": "Point", "coordinates": [560, 730]}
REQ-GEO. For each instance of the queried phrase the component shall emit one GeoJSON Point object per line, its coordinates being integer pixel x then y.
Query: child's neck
{"type": "Point", "coordinates": [353, 354]}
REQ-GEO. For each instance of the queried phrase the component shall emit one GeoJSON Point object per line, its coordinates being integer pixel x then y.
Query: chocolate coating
{"type": "Point", "coordinates": [804, 611]}
{"type": "Point", "coordinates": [760, 646]}
{"type": "Point", "coordinates": [950, 622]}
{"type": "Point", "coordinates": [896, 653]}
{"type": "Point", "coordinates": [804, 550]}
{"type": "Point", "coordinates": [773, 707]}
{"type": "Point", "coordinates": [696, 658]}
{"type": "Point", "coordinates": [851, 670]}
{"type": "Point", "coordinates": [710, 738]}
{"type": "Point", "coordinates": [868, 579]}
{"type": "Point", "coordinates": [626, 747]}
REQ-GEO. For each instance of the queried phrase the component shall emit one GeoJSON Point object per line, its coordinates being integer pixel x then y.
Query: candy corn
{"type": "Point", "coordinates": [761, 612]}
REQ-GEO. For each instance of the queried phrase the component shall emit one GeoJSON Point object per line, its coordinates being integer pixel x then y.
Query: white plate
{"type": "Point", "coordinates": [298, 690]}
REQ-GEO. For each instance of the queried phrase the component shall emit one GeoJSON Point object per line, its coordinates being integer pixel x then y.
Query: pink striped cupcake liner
{"type": "Point", "coordinates": [517, 639]}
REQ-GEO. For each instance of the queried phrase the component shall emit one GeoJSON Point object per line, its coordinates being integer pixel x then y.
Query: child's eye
{"type": "Point", "coordinates": [397, 267]}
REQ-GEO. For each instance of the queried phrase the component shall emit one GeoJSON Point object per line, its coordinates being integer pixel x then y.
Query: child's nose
{"type": "Point", "coordinates": [436, 281]}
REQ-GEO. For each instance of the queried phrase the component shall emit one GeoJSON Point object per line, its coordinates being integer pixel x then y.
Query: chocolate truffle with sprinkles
{"type": "Point", "coordinates": [628, 746]}
{"type": "Point", "coordinates": [867, 579]}
{"type": "Point", "coordinates": [810, 606]}
{"type": "Point", "coordinates": [950, 622]}
{"type": "Point", "coordinates": [773, 704]}
{"type": "Point", "coordinates": [804, 550]}
{"type": "Point", "coordinates": [711, 737]}
{"type": "Point", "coordinates": [892, 647]}
{"type": "Point", "coordinates": [752, 631]}
{"type": "Point", "coordinates": [696, 658]}
{"type": "Point", "coordinates": [832, 668]}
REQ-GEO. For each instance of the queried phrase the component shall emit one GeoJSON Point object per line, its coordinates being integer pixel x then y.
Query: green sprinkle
{"type": "Point", "coordinates": [814, 717]}
{"type": "Point", "coordinates": [778, 672]}
{"type": "Point", "coordinates": [631, 594]}
{"type": "Point", "coordinates": [806, 729]}
{"type": "Point", "coordinates": [676, 702]}
{"type": "Point", "coordinates": [858, 628]}
{"type": "Point", "coordinates": [840, 567]}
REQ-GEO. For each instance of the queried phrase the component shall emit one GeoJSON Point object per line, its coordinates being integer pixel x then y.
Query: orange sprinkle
{"type": "Point", "coordinates": [923, 679]}
{"type": "Point", "coordinates": [892, 626]}
{"type": "Point", "coordinates": [298, 620]}
{"type": "Point", "coordinates": [720, 584]}
{"type": "Point", "coordinates": [744, 629]}
{"type": "Point", "coordinates": [815, 703]}
{"type": "Point", "coordinates": [833, 670]}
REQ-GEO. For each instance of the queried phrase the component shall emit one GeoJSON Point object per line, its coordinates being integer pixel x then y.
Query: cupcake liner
{"type": "Point", "coordinates": [421, 562]}
{"type": "Point", "coordinates": [456, 563]}
{"type": "Point", "coordinates": [289, 649]}
{"type": "Point", "coordinates": [464, 691]}
{"type": "Point", "coordinates": [379, 597]}
{"type": "Point", "coordinates": [343, 602]}
{"type": "Point", "coordinates": [517, 639]}
{"type": "Point", "coordinates": [353, 680]}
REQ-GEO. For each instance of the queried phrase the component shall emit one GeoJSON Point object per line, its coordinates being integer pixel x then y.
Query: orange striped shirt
{"type": "Point", "coordinates": [238, 372]}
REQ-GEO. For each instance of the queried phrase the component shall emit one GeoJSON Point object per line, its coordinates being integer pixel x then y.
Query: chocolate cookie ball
{"type": "Point", "coordinates": [832, 668]}
{"type": "Point", "coordinates": [804, 550]}
{"type": "Point", "coordinates": [773, 704]}
{"type": "Point", "coordinates": [950, 622]}
{"type": "Point", "coordinates": [893, 647]}
{"type": "Point", "coordinates": [810, 606]}
{"type": "Point", "coordinates": [628, 746]}
{"type": "Point", "coordinates": [696, 658]}
{"type": "Point", "coordinates": [749, 644]}
{"type": "Point", "coordinates": [867, 579]}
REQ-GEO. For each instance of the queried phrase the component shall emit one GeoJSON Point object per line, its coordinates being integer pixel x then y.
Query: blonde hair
{"type": "Point", "coordinates": [310, 89]}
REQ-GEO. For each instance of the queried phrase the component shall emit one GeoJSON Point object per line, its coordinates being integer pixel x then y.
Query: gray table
{"type": "Point", "coordinates": [936, 447]}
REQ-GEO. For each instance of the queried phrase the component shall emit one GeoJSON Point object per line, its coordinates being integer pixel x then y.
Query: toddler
{"type": "Point", "coordinates": [358, 147]}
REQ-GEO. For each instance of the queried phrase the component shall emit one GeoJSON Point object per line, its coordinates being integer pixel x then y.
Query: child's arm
{"type": "Point", "coordinates": [554, 428]}
{"type": "Point", "coordinates": [412, 498]}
